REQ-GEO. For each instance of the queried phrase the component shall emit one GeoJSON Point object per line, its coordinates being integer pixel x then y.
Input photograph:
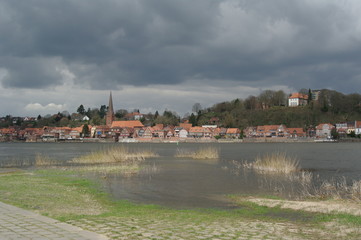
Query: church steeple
{"type": "Point", "coordinates": [110, 112]}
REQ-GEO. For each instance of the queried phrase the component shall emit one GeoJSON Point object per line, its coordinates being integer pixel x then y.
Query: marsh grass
{"type": "Point", "coordinates": [109, 168]}
{"type": "Point", "coordinates": [39, 160]}
{"type": "Point", "coordinates": [43, 160]}
{"type": "Point", "coordinates": [333, 189]}
{"type": "Point", "coordinates": [16, 163]}
{"type": "Point", "coordinates": [277, 163]}
{"type": "Point", "coordinates": [201, 153]}
{"type": "Point", "coordinates": [115, 155]}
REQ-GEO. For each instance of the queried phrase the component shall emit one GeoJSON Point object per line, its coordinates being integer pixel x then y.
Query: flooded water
{"type": "Point", "coordinates": [187, 183]}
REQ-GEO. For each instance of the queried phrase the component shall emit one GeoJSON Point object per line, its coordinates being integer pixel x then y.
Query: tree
{"type": "Point", "coordinates": [193, 120]}
{"type": "Point", "coordinates": [229, 121]}
{"type": "Point", "coordinates": [168, 118]}
{"type": "Point", "coordinates": [85, 131]}
{"type": "Point", "coordinates": [251, 103]}
{"type": "Point", "coordinates": [96, 120]}
{"type": "Point", "coordinates": [102, 111]}
{"type": "Point", "coordinates": [352, 134]}
{"type": "Point", "coordinates": [39, 117]}
{"type": "Point", "coordinates": [66, 113]}
{"type": "Point", "coordinates": [196, 107]}
{"type": "Point", "coordinates": [309, 96]}
{"type": "Point", "coordinates": [279, 98]}
{"type": "Point", "coordinates": [334, 133]}
{"type": "Point", "coordinates": [81, 109]}
{"type": "Point", "coordinates": [265, 98]}
{"type": "Point", "coordinates": [121, 113]}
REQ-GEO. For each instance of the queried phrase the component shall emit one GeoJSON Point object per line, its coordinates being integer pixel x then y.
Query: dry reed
{"type": "Point", "coordinates": [105, 169]}
{"type": "Point", "coordinates": [115, 155]}
{"type": "Point", "coordinates": [43, 160]}
{"type": "Point", "coordinates": [334, 189]}
{"type": "Point", "coordinates": [202, 153]}
{"type": "Point", "coordinates": [278, 163]}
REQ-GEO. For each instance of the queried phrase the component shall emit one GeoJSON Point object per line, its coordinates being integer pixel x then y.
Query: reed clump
{"type": "Point", "coordinates": [43, 160]}
{"type": "Point", "coordinates": [109, 168]}
{"type": "Point", "coordinates": [277, 162]}
{"type": "Point", "coordinates": [202, 153]}
{"type": "Point", "coordinates": [115, 155]}
{"type": "Point", "coordinates": [334, 189]}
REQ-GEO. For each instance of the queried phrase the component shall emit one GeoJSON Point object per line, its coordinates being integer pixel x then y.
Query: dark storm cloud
{"type": "Point", "coordinates": [113, 42]}
{"type": "Point", "coordinates": [30, 72]}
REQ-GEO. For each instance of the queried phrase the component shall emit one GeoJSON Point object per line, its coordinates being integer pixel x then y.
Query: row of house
{"type": "Point", "coordinates": [323, 130]}
{"type": "Point", "coordinates": [41, 134]}
{"type": "Point", "coordinates": [280, 131]}
{"type": "Point", "coordinates": [134, 129]}
{"type": "Point", "coordinates": [119, 130]}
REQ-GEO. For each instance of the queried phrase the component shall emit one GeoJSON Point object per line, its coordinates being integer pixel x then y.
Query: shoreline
{"type": "Point", "coordinates": [174, 141]}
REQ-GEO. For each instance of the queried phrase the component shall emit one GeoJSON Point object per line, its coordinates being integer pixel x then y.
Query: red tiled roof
{"type": "Point", "coordinates": [158, 127]}
{"type": "Point", "coordinates": [299, 95]}
{"type": "Point", "coordinates": [267, 128]}
{"type": "Point", "coordinates": [186, 126]}
{"type": "Point", "coordinates": [80, 129]}
{"type": "Point", "coordinates": [7, 130]}
{"type": "Point", "coordinates": [131, 124]}
{"type": "Point", "coordinates": [196, 129]}
{"type": "Point", "coordinates": [233, 131]}
{"type": "Point", "coordinates": [320, 126]}
{"type": "Point", "coordinates": [296, 130]}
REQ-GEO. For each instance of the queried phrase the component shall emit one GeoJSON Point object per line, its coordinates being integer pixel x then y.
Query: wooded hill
{"type": "Point", "coordinates": [270, 107]}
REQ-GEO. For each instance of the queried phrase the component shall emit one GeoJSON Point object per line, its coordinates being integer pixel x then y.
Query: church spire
{"type": "Point", "coordinates": [110, 112]}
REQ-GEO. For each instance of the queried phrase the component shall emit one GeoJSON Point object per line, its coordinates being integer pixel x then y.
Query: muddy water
{"type": "Point", "coordinates": [184, 183]}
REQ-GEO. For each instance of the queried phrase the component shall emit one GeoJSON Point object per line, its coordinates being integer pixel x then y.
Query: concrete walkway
{"type": "Point", "coordinates": [16, 223]}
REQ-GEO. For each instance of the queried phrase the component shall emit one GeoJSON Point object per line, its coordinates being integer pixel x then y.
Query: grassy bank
{"type": "Point", "coordinates": [65, 195]}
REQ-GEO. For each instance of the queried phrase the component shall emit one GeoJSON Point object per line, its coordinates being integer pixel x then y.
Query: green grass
{"type": "Point", "coordinates": [67, 196]}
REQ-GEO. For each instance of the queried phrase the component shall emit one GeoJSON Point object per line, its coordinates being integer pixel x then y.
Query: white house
{"type": "Point", "coordinates": [323, 130]}
{"type": "Point", "coordinates": [183, 133]}
{"type": "Point", "coordinates": [297, 99]}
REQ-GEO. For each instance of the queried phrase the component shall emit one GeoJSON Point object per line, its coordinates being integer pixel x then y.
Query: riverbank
{"type": "Point", "coordinates": [177, 141]}
{"type": "Point", "coordinates": [72, 198]}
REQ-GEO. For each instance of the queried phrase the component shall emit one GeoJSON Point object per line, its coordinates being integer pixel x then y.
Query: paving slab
{"type": "Point", "coordinates": [17, 223]}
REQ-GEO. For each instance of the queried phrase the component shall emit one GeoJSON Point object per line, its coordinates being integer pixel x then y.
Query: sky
{"type": "Point", "coordinates": [164, 54]}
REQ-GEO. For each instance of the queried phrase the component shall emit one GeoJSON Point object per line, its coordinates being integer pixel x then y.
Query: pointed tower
{"type": "Point", "coordinates": [110, 112]}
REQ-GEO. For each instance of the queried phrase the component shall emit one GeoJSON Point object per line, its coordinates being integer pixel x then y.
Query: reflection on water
{"type": "Point", "coordinates": [184, 183]}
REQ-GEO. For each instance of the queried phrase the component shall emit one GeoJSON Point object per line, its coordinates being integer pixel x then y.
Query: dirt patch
{"type": "Point", "coordinates": [348, 207]}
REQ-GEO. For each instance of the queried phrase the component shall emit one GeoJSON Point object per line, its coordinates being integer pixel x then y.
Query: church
{"type": "Point", "coordinates": [110, 118]}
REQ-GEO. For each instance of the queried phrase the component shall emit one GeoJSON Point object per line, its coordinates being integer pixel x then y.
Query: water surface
{"type": "Point", "coordinates": [184, 182]}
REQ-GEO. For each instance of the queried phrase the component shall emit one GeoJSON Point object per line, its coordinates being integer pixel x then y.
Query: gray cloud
{"type": "Point", "coordinates": [30, 72]}
{"type": "Point", "coordinates": [111, 43]}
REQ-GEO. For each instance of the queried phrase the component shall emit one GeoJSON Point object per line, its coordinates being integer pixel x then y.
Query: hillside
{"type": "Point", "coordinates": [330, 107]}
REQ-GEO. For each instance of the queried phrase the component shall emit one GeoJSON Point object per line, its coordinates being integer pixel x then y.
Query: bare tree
{"type": "Point", "coordinates": [196, 107]}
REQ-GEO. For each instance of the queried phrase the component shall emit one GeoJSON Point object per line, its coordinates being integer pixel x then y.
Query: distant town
{"type": "Point", "coordinates": [307, 115]}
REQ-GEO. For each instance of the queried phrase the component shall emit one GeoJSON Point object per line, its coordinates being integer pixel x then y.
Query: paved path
{"type": "Point", "coordinates": [16, 223]}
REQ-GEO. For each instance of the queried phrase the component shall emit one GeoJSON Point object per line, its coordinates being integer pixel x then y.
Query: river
{"type": "Point", "coordinates": [187, 183]}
